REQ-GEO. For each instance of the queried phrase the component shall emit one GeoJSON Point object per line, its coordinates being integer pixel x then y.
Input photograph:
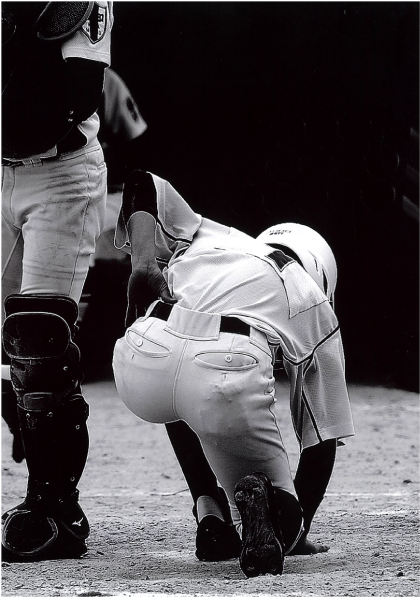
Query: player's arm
{"type": "Point", "coordinates": [319, 413]}
{"type": "Point", "coordinates": [139, 211]}
{"type": "Point", "coordinates": [123, 129]}
{"type": "Point", "coordinates": [84, 83]}
{"type": "Point", "coordinates": [86, 51]}
{"type": "Point", "coordinates": [313, 474]}
{"type": "Point", "coordinates": [136, 153]}
{"type": "Point", "coordinates": [146, 281]}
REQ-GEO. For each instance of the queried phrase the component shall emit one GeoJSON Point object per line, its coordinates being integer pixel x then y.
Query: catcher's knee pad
{"type": "Point", "coordinates": [37, 337]}
{"type": "Point", "coordinates": [45, 373]}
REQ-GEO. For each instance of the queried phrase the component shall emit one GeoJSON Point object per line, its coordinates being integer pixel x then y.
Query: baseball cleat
{"type": "Point", "coordinates": [33, 534]}
{"type": "Point", "coordinates": [216, 540]}
{"type": "Point", "coordinates": [262, 544]}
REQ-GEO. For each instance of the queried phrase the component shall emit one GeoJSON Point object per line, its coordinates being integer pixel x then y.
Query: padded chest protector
{"type": "Point", "coordinates": [37, 96]}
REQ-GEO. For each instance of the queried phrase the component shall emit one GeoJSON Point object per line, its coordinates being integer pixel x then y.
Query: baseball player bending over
{"type": "Point", "coordinates": [205, 353]}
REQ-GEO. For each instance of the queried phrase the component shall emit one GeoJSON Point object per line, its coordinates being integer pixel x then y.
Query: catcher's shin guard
{"type": "Point", "coordinates": [45, 373]}
{"type": "Point", "coordinates": [9, 412]}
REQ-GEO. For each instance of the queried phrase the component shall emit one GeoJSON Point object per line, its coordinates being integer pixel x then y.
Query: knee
{"type": "Point", "coordinates": [38, 338]}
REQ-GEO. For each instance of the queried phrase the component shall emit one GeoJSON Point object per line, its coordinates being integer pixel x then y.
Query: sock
{"type": "Point", "coordinates": [207, 506]}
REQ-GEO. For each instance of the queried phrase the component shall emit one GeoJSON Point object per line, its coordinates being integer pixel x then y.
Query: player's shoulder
{"type": "Point", "coordinates": [92, 39]}
{"type": "Point", "coordinates": [114, 86]}
{"type": "Point", "coordinates": [113, 78]}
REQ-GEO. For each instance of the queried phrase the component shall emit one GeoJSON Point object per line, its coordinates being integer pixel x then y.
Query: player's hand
{"type": "Point", "coordinates": [146, 284]}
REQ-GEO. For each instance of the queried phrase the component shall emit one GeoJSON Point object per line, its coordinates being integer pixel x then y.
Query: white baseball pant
{"type": "Point", "coordinates": [52, 213]}
{"type": "Point", "coordinates": [220, 383]}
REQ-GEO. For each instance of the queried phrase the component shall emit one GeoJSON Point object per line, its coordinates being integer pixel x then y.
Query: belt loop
{"type": "Point", "coordinates": [258, 338]}
{"type": "Point", "coordinates": [32, 162]}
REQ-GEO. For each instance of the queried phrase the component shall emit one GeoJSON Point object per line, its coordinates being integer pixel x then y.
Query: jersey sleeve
{"type": "Point", "coordinates": [122, 119]}
{"type": "Point", "coordinates": [93, 40]}
{"type": "Point", "coordinates": [319, 399]}
{"type": "Point", "coordinates": [176, 222]}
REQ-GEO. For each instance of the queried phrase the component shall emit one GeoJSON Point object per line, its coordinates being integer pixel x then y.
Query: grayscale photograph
{"type": "Point", "coordinates": [210, 299]}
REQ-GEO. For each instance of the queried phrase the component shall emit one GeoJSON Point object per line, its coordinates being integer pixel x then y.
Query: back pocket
{"type": "Point", "coordinates": [232, 361]}
{"type": "Point", "coordinates": [143, 345]}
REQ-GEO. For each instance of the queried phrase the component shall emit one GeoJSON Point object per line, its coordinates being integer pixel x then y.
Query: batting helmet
{"type": "Point", "coordinates": [311, 249]}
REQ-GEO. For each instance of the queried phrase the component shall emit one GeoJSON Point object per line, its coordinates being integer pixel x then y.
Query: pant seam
{"type": "Point", "coordinates": [177, 372]}
{"type": "Point", "coordinates": [85, 212]}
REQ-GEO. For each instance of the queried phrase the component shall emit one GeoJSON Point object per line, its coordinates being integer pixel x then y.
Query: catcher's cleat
{"type": "Point", "coordinates": [34, 533]}
{"type": "Point", "coordinates": [262, 543]}
{"type": "Point", "coordinates": [216, 540]}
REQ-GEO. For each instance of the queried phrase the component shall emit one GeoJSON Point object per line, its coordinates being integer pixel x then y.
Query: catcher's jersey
{"type": "Point", "coordinates": [92, 42]}
{"type": "Point", "coordinates": [41, 95]}
{"type": "Point", "coordinates": [213, 268]}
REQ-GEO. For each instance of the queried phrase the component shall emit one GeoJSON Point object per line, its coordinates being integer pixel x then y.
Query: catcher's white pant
{"type": "Point", "coordinates": [221, 384]}
{"type": "Point", "coordinates": [52, 213]}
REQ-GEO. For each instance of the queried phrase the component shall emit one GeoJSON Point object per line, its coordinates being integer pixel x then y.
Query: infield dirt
{"type": "Point", "coordinates": [143, 532]}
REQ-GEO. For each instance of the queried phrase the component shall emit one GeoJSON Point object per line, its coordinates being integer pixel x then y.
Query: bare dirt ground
{"type": "Point", "coordinates": [143, 533]}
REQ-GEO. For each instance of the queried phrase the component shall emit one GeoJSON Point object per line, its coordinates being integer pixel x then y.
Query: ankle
{"type": "Point", "coordinates": [207, 506]}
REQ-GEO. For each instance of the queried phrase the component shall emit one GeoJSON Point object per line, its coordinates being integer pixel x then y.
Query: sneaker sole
{"type": "Point", "coordinates": [262, 552]}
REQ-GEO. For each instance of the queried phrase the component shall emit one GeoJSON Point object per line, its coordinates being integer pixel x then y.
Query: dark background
{"type": "Point", "coordinates": [265, 112]}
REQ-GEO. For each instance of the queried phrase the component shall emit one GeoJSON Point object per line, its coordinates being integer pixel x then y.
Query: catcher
{"type": "Point", "coordinates": [53, 207]}
{"type": "Point", "coordinates": [204, 354]}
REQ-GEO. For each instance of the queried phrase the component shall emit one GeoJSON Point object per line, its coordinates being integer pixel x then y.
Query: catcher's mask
{"type": "Point", "coordinates": [50, 21]}
{"type": "Point", "coordinates": [311, 250]}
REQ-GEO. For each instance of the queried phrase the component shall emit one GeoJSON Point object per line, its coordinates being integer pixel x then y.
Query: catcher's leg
{"type": "Point", "coordinates": [216, 538]}
{"type": "Point", "coordinates": [45, 373]}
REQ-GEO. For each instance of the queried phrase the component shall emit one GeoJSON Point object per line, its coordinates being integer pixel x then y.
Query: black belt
{"type": "Point", "coordinates": [229, 325]}
{"type": "Point", "coordinates": [72, 142]}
